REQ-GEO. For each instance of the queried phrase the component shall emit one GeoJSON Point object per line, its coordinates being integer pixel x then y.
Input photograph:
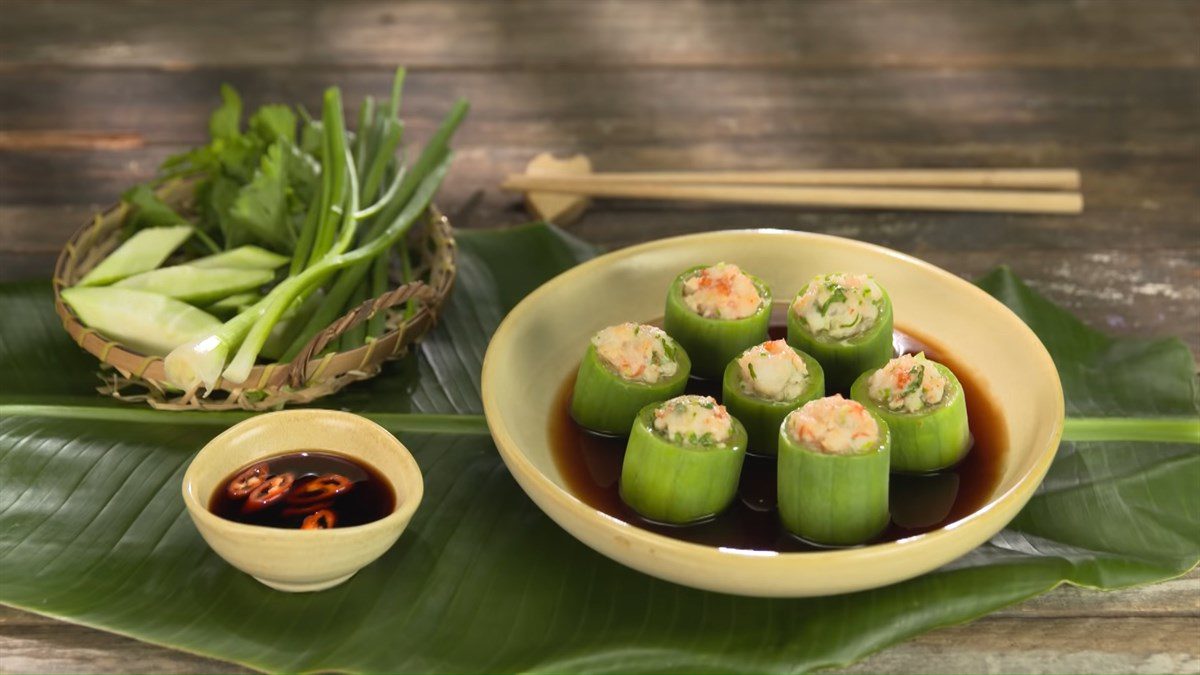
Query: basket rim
{"type": "Point", "coordinates": [262, 376]}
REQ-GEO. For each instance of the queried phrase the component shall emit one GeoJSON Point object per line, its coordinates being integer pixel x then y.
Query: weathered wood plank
{"type": "Point", "coordinates": [1138, 182]}
{"type": "Point", "coordinates": [1156, 645]}
{"type": "Point", "coordinates": [1177, 597]}
{"type": "Point", "coordinates": [1040, 116]}
{"type": "Point", "coordinates": [616, 33]}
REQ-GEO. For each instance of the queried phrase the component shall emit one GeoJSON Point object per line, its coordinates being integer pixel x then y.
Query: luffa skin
{"type": "Point", "coordinates": [845, 322]}
{"type": "Point", "coordinates": [683, 460]}
{"type": "Point", "coordinates": [766, 383]}
{"type": "Point", "coordinates": [924, 405]}
{"type": "Point", "coordinates": [834, 458]}
{"type": "Point", "coordinates": [626, 367]}
{"type": "Point", "coordinates": [715, 313]}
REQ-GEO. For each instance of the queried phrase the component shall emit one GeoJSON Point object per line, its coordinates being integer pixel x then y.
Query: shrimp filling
{"type": "Point", "coordinates": [907, 383]}
{"type": "Point", "coordinates": [636, 352]}
{"type": "Point", "coordinates": [722, 291]}
{"type": "Point", "coordinates": [693, 420]}
{"type": "Point", "coordinates": [773, 371]}
{"type": "Point", "coordinates": [833, 425]}
{"type": "Point", "coordinates": [840, 306]}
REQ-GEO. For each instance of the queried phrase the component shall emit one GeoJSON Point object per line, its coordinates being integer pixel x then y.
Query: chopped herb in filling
{"type": "Point", "coordinates": [693, 420]}
{"type": "Point", "coordinates": [839, 306]}
{"type": "Point", "coordinates": [907, 383]}
{"type": "Point", "coordinates": [773, 371]}
{"type": "Point", "coordinates": [833, 425]}
{"type": "Point", "coordinates": [722, 291]}
{"type": "Point", "coordinates": [636, 352]}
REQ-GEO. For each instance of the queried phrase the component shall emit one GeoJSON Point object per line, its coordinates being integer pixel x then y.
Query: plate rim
{"type": "Point", "coordinates": [992, 513]}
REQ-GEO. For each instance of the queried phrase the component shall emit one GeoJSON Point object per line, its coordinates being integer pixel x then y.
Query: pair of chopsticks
{"type": "Point", "coordinates": [996, 190]}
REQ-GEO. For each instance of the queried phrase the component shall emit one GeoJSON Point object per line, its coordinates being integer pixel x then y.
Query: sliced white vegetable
{"type": "Point", "coordinates": [146, 322]}
{"type": "Point", "coordinates": [197, 285]}
{"type": "Point", "coordinates": [142, 252]}
{"type": "Point", "coordinates": [242, 258]}
{"type": "Point", "coordinates": [230, 305]}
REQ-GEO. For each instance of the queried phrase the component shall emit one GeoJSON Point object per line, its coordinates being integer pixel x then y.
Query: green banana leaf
{"type": "Point", "coordinates": [93, 529]}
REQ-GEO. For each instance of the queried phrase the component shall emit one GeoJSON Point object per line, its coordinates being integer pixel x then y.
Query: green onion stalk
{"type": "Point", "coordinates": [313, 276]}
{"type": "Point", "coordinates": [331, 226]}
{"type": "Point", "coordinates": [204, 360]}
{"type": "Point", "coordinates": [343, 287]}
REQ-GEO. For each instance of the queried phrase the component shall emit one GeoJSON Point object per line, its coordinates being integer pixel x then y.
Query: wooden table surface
{"type": "Point", "coordinates": [94, 95]}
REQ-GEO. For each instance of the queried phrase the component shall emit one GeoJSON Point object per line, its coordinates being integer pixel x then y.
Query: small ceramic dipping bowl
{"type": "Point", "coordinates": [301, 560]}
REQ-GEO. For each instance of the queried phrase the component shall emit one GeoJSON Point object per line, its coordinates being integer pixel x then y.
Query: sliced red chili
{"type": "Point", "coordinates": [321, 520]}
{"type": "Point", "coordinates": [244, 482]}
{"type": "Point", "coordinates": [305, 509]}
{"type": "Point", "coordinates": [319, 489]}
{"type": "Point", "coordinates": [271, 490]}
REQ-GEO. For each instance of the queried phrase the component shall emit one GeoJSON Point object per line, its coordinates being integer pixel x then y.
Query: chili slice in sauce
{"type": "Point", "coordinates": [266, 493]}
{"type": "Point", "coordinates": [243, 483]}
{"type": "Point", "coordinates": [321, 520]}
{"type": "Point", "coordinates": [319, 489]}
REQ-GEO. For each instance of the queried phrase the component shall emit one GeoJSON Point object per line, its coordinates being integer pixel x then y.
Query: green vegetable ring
{"type": "Point", "coordinates": [834, 500]}
{"type": "Point", "coordinates": [712, 343]}
{"type": "Point", "coordinates": [675, 483]}
{"type": "Point", "coordinates": [845, 359]}
{"type": "Point", "coordinates": [603, 401]}
{"type": "Point", "coordinates": [927, 440]}
{"type": "Point", "coordinates": [760, 416]}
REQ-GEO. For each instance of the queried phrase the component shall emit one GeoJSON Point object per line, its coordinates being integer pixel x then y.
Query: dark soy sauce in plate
{"type": "Point", "coordinates": [591, 467]}
{"type": "Point", "coordinates": [369, 497]}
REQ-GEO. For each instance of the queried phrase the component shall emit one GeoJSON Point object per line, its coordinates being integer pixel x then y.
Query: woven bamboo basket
{"type": "Point", "coordinates": [134, 377]}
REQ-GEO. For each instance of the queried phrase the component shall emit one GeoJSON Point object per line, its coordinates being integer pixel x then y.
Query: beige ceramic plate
{"type": "Point", "coordinates": [542, 339]}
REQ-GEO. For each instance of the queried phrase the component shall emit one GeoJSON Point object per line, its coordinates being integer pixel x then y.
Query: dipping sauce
{"type": "Point", "coordinates": [309, 489]}
{"type": "Point", "coordinates": [591, 466]}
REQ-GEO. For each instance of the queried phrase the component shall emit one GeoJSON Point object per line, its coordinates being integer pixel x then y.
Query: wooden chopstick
{"type": "Point", "coordinates": [1010, 201]}
{"type": "Point", "coordinates": [1047, 179]}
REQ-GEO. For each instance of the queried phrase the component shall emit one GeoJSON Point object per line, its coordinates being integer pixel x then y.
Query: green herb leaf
{"type": "Point", "coordinates": [838, 295]}
{"type": "Point", "coordinates": [273, 123]}
{"type": "Point", "coordinates": [916, 378]}
{"type": "Point", "coordinates": [226, 121]}
{"type": "Point", "coordinates": [260, 206]}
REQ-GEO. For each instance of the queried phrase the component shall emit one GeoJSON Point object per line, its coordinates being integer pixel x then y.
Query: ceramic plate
{"type": "Point", "coordinates": [539, 344]}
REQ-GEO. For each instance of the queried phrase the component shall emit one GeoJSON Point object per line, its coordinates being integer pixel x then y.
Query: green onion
{"type": "Point", "coordinates": [336, 205]}
{"type": "Point", "coordinates": [434, 154]}
{"type": "Point", "coordinates": [202, 360]}
{"type": "Point", "coordinates": [333, 185]}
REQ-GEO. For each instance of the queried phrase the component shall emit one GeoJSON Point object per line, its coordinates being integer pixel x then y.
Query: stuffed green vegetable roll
{"type": "Point", "coordinates": [683, 460]}
{"type": "Point", "coordinates": [923, 405]}
{"type": "Point", "coordinates": [716, 312]}
{"type": "Point", "coordinates": [845, 322]}
{"type": "Point", "coordinates": [626, 367]}
{"type": "Point", "coordinates": [833, 472]}
{"type": "Point", "coordinates": [764, 384]}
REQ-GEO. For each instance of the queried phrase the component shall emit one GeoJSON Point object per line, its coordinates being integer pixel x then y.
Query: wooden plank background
{"type": "Point", "coordinates": [93, 95]}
